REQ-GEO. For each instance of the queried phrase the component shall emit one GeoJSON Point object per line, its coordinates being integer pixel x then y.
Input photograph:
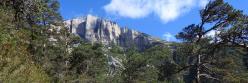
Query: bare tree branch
{"type": "Point", "coordinates": [209, 76]}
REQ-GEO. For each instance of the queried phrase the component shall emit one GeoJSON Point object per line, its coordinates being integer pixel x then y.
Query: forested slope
{"type": "Point", "coordinates": [33, 50]}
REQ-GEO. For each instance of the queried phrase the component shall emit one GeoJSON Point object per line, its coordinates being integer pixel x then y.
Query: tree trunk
{"type": "Point", "coordinates": [198, 69]}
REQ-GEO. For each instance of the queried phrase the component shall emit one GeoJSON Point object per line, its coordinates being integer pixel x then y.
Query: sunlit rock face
{"type": "Point", "coordinates": [94, 29]}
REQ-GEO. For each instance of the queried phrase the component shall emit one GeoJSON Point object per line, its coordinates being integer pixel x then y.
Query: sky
{"type": "Point", "coordinates": [159, 18]}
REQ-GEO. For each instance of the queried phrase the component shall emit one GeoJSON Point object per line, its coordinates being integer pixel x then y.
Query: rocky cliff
{"type": "Point", "coordinates": [94, 29]}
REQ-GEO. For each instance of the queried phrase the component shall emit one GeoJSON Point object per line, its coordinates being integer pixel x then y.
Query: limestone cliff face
{"type": "Point", "coordinates": [94, 29]}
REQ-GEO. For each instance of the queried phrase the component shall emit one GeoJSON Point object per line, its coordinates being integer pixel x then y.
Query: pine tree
{"type": "Point", "coordinates": [203, 50]}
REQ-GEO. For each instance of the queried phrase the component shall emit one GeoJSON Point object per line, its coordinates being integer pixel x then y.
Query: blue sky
{"type": "Point", "coordinates": [159, 18]}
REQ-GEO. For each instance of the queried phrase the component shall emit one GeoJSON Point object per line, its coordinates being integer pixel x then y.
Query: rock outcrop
{"type": "Point", "coordinates": [94, 29]}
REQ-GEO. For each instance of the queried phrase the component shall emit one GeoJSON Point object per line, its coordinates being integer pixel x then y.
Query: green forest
{"type": "Point", "coordinates": [28, 53]}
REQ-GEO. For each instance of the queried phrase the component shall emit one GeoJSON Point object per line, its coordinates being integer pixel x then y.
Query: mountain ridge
{"type": "Point", "coordinates": [95, 29]}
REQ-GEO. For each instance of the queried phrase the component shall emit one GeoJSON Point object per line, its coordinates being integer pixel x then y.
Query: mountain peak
{"type": "Point", "coordinates": [91, 16]}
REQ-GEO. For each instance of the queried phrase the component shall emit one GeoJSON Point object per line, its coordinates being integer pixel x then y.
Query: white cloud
{"type": "Point", "coordinates": [168, 36]}
{"type": "Point", "coordinates": [129, 8]}
{"type": "Point", "coordinates": [166, 10]}
{"type": "Point", "coordinates": [203, 3]}
{"type": "Point", "coordinates": [212, 33]}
